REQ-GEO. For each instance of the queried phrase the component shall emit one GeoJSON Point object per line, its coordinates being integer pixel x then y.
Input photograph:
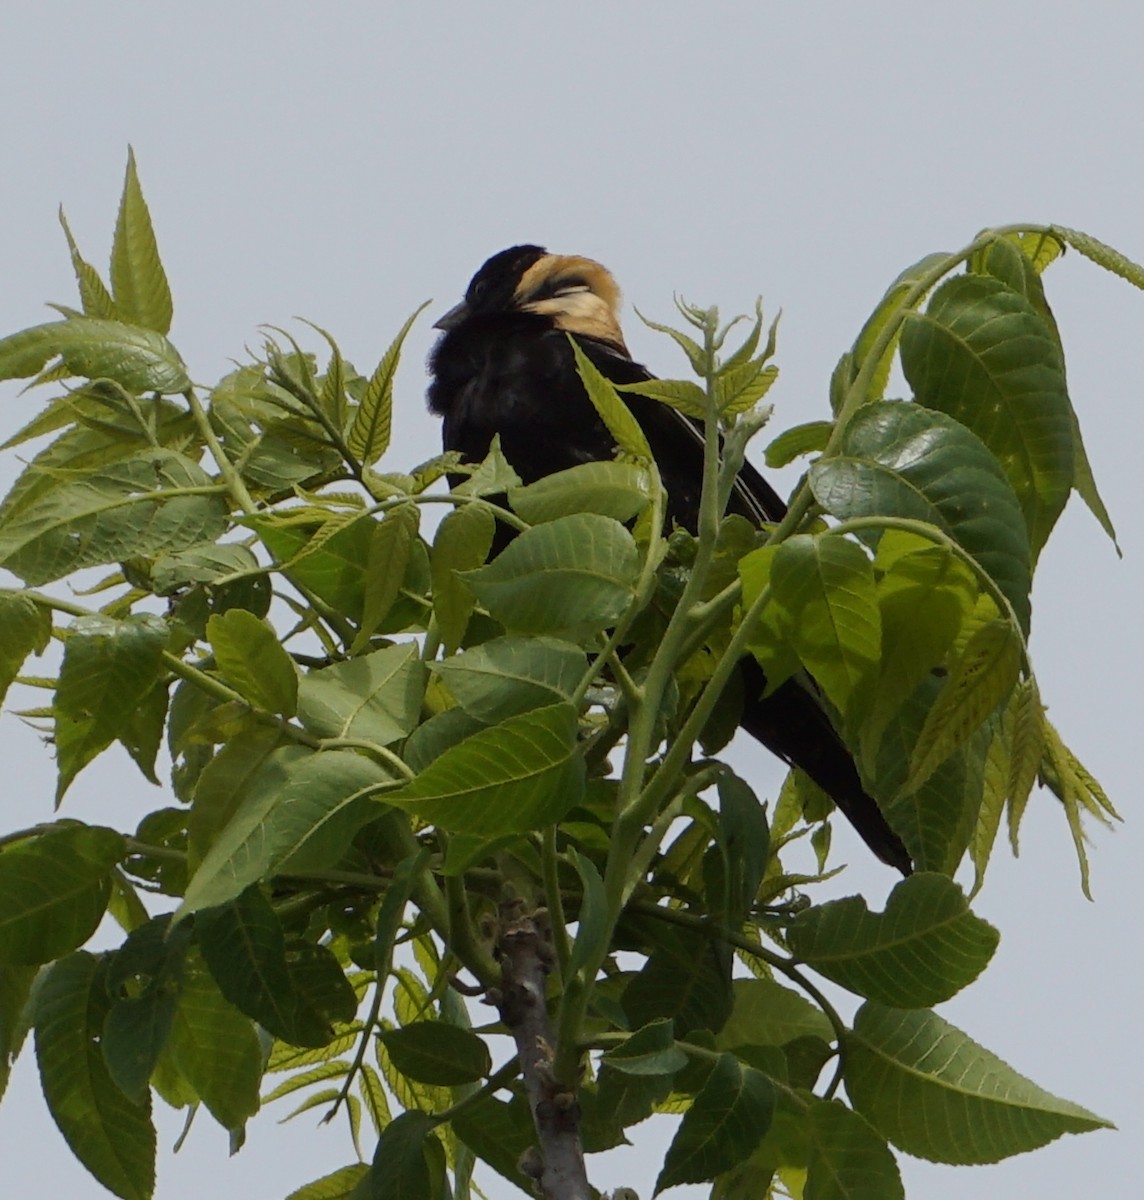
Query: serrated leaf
{"type": "Point", "coordinates": [741, 387]}
{"type": "Point", "coordinates": [462, 543]}
{"type": "Point", "coordinates": [438, 1053]}
{"type": "Point", "coordinates": [606, 400]}
{"type": "Point", "coordinates": [573, 575]}
{"type": "Point", "coordinates": [373, 698]}
{"type": "Point", "coordinates": [298, 814]}
{"type": "Point", "coordinates": [902, 460]}
{"type": "Point", "coordinates": [341, 1184]}
{"type": "Point", "coordinates": [848, 1159]}
{"type": "Point", "coordinates": [940, 1096]}
{"type": "Point", "coordinates": [251, 659]}
{"type": "Point", "coordinates": [25, 628]}
{"type": "Point", "coordinates": [390, 550]}
{"type": "Point", "coordinates": [138, 359]}
{"type": "Point", "coordinates": [765, 1013]}
{"type": "Point", "coordinates": [111, 1136]}
{"type": "Point", "coordinates": [93, 293]}
{"type": "Point", "coordinates": [828, 611]}
{"type": "Point", "coordinates": [141, 505]}
{"type": "Point", "coordinates": [984, 674]}
{"type": "Point", "coordinates": [684, 395]}
{"type": "Point", "coordinates": [510, 675]}
{"type": "Point", "coordinates": [727, 1120]}
{"type": "Point", "coordinates": [922, 950]}
{"type": "Point", "coordinates": [369, 432]}
{"type": "Point", "coordinates": [618, 490]}
{"type": "Point", "coordinates": [520, 775]}
{"type": "Point", "coordinates": [138, 281]}
{"type": "Point", "coordinates": [801, 439]}
{"type": "Point", "coordinates": [53, 891]}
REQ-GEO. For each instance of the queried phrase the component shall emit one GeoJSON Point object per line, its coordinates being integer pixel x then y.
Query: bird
{"type": "Point", "coordinates": [503, 367]}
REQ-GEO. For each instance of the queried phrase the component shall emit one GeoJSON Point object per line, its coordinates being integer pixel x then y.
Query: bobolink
{"type": "Point", "coordinates": [503, 366]}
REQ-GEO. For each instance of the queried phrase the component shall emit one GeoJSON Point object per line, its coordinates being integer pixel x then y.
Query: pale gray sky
{"type": "Point", "coordinates": [346, 161]}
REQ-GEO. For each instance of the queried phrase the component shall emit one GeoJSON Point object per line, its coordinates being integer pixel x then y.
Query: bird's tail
{"type": "Point", "coordinates": [792, 724]}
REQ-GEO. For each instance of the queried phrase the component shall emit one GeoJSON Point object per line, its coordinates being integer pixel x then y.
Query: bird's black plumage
{"type": "Point", "coordinates": [503, 366]}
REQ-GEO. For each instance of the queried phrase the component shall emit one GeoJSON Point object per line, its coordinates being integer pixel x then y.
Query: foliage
{"type": "Point", "coordinates": [385, 747]}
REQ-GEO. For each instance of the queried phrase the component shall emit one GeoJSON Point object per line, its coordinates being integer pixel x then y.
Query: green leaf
{"type": "Point", "coordinates": [793, 443]}
{"type": "Point", "coordinates": [727, 1120]}
{"type": "Point", "coordinates": [1102, 254]}
{"type": "Point", "coordinates": [297, 815]}
{"type": "Point", "coordinates": [924, 593]}
{"type": "Point", "coordinates": [217, 1049]}
{"type": "Point", "coordinates": [375, 698]}
{"type": "Point", "coordinates": [207, 562]}
{"type": "Point", "coordinates": [980, 679]}
{"type": "Point", "coordinates": [109, 668]}
{"type": "Point", "coordinates": [141, 505]}
{"type": "Point", "coordinates": [15, 989]}
{"type": "Point", "coordinates": [438, 1053]}
{"type": "Point", "coordinates": [369, 433]}
{"type": "Point", "coordinates": [390, 551]}
{"type": "Point", "coordinates": [982, 354]}
{"type": "Point", "coordinates": [463, 541]}
{"type": "Point", "coordinates": [649, 1051]}
{"type": "Point", "coordinates": [684, 395]}
{"type": "Point", "coordinates": [138, 281]}
{"type": "Point", "coordinates": [902, 460]}
{"type": "Point", "coordinates": [607, 402]}
{"type": "Point", "coordinates": [940, 1096]}
{"type": "Point", "coordinates": [498, 1132]}
{"type": "Point", "coordinates": [409, 1161]}
{"type": "Point", "coordinates": [93, 293]}
{"type": "Point", "coordinates": [25, 628]}
{"type": "Point", "coordinates": [111, 1136]}
{"type": "Point", "coordinates": [824, 588]}
{"type": "Point", "coordinates": [686, 977]}
{"type": "Point", "coordinates": [251, 659]}
{"type": "Point", "coordinates": [619, 490]}
{"type": "Point", "coordinates": [765, 1013]}
{"type": "Point", "coordinates": [573, 575]}
{"type": "Point", "coordinates": [54, 889]}
{"type": "Point", "coordinates": [138, 359]}
{"type": "Point", "coordinates": [341, 1184]}
{"type": "Point", "coordinates": [741, 387]}
{"type": "Point", "coordinates": [245, 949]}
{"type": "Point", "coordinates": [591, 942]}
{"type": "Point", "coordinates": [848, 1160]}
{"type": "Point", "coordinates": [522, 774]}
{"type": "Point", "coordinates": [922, 950]}
{"type": "Point", "coordinates": [507, 676]}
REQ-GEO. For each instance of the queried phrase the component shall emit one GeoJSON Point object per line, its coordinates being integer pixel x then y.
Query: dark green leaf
{"type": "Point", "coordinates": [207, 562]}
{"type": "Point", "coordinates": [902, 460]}
{"type": "Point", "coordinates": [438, 1053]}
{"type": "Point", "coordinates": [848, 1160]}
{"type": "Point", "coordinates": [685, 978]}
{"type": "Point", "coordinates": [245, 949]}
{"type": "Point", "coordinates": [922, 950]}
{"type": "Point", "coordinates": [15, 989]}
{"type": "Point", "coordinates": [110, 1135]}
{"type": "Point", "coordinates": [25, 627]}
{"type": "Point", "coordinates": [592, 923]}
{"type": "Point", "coordinates": [522, 774]}
{"type": "Point", "coordinates": [409, 1161]}
{"type": "Point", "coordinates": [138, 281]}
{"type": "Point", "coordinates": [723, 1126]}
{"type": "Point", "coordinates": [938, 1095]}
{"type": "Point", "coordinates": [319, 979]}
{"type": "Point", "coordinates": [390, 551]}
{"type": "Point", "coordinates": [498, 1133]}
{"type": "Point", "coordinates": [54, 890]}
{"type": "Point", "coordinates": [649, 1051]}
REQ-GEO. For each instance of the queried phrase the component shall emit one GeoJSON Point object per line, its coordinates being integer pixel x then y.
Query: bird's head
{"type": "Point", "coordinates": [576, 294]}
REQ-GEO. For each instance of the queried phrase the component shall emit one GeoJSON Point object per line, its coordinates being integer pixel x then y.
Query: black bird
{"type": "Point", "coordinates": [503, 365]}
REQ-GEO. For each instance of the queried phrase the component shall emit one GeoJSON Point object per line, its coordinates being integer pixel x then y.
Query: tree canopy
{"type": "Point", "coordinates": [409, 781]}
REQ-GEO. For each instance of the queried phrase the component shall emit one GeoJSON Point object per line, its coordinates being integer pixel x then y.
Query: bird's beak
{"type": "Point", "coordinates": [453, 317]}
